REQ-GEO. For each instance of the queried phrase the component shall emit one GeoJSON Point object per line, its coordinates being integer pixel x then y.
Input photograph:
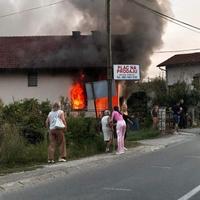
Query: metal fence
{"type": "Point", "coordinates": [166, 121]}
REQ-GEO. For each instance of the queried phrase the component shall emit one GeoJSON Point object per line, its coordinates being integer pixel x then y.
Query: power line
{"type": "Point", "coordinates": [171, 19]}
{"type": "Point", "coordinates": [196, 31]}
{"type": "Point", "coordinates": [175, 21]}
{"type": "Point", "coordinates": [180, 25]}
{"type": "Point", "coordinates": [164, 16]}
{"type": "Point", "coordinates": [30, 9]}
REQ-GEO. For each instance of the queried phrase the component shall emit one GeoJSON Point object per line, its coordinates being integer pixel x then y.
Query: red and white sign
{"type": "Point", "coordinates": [126, 72]}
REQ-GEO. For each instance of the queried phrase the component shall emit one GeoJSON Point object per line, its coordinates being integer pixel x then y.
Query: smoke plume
{"type": "Point", "coordinates": [143, 28]}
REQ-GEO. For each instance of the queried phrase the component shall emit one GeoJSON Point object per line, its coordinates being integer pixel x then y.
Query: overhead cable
{"type": "Point", "coordinates": [30, 9]}
{"type": "Point", "coordinates": [164, 16]}
{"type": "Point", "coordinates": [171, 19]}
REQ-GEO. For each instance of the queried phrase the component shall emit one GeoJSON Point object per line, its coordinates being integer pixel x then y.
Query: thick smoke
{"type": "Point", "coordinates": [144, 28]}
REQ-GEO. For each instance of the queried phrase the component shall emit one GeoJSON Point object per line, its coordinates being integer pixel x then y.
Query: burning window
{"type": "Point", "coordinates": [102, 104]}
{"type": "Point", "coordinates": [78, 96]}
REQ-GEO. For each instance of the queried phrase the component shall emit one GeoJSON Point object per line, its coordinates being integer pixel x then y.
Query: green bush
{"type": "Point", "coordinates": [83, 137]}
{"type": "Point", "coordinates": [147, 121]}
{"type": "Point", "coordinates": [16, 151]}
{"type": "Point", "coordinates": [22, 134]}
{"type": "Point", "coordinates": [23, 138]}
{"type": "Point", "coordinates": [29, 116]}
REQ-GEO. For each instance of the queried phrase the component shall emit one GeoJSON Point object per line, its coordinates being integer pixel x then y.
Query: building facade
{"type": "Point", "coordinates": [50, 67]}
{"type": "Point", "coordinates": [182, 68]}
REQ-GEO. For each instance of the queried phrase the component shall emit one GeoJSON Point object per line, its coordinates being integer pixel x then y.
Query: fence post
{"type": "Point", "coordinates": [162, 120]}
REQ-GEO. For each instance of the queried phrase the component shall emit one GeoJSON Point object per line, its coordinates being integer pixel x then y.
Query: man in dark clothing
{"type": "Point", "coordinates": [176, 115]}
{"type": "Point", "coordinates": [183, 121]}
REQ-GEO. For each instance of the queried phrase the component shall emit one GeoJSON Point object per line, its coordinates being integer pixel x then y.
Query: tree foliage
{"type": "Point", "coordinates": [29, 116]}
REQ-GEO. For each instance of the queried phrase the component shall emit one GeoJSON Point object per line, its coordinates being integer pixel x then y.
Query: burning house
{"type": "Point", "coordinates": [48, 67]}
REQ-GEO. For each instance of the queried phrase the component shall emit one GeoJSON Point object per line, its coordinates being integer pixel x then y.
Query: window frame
{"type": "Point", "coordinates": [32, 78]}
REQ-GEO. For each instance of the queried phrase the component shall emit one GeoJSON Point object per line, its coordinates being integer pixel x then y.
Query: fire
{"type": "Point", "coordinates": [102, 103]}
{"type": "Point", "coordinates": [78, 97]}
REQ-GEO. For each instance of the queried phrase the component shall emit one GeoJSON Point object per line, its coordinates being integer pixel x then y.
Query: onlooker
{"type": "Point", "coordinates": [120, 128]}
{"type": "Point", "coordinates": [114, 125]}
{"type": "Point", "coordinates": [154, 115]}
{"type": "Point", "coordinates": [176, 116]}
{"type": "Point", "coordinates": [183, 114]}
{"type": "Point", "coordinates": [107, 129]}
{"type": "Point", "coordinates": [56, 136]}
{"type": "Point", "coordinates": [124, 110]}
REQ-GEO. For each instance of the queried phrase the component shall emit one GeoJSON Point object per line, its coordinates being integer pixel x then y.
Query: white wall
{"type": "Point", "coordinates": [181, 73]}
{"type": "Point", "coordinates": [51, 87]}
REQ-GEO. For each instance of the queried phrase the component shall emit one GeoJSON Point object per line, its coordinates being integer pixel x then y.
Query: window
{"type": "Point", "coordinates": [32, 79]}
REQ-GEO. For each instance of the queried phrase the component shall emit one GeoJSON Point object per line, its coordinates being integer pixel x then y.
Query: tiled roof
{"type": "Point", "coordinates": [182, 59]}
{"type": "Point", "coordinates": [24, 52]}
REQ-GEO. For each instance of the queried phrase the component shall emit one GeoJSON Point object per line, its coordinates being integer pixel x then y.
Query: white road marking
{"type": "Point", "coordinates": [191, 193]}
{"type": "Point", "coordinates": [161, 167]}
{"type": "Point", "coordinates": [117, 189]}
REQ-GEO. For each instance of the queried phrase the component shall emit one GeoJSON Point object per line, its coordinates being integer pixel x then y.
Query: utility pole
{"type": "Point", "coordinates": [109, 54]}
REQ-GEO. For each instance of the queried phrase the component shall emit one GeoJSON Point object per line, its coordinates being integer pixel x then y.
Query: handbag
{"type": "Point", "coordinates": [59, 123]}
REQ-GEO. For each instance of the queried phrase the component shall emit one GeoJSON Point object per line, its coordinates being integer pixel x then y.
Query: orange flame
{"type": "Point", "coordinates": [102, 103]}
{"type": "Point", "coordinates": [78, 97]}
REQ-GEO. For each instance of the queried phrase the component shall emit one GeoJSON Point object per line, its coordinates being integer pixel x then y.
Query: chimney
{"type": "Point", "coordinates": [76, 34]}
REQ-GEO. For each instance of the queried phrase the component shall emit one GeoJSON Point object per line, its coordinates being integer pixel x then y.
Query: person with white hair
{"type": "Point", "coordinates": [56, 134]}
{"type": "Point", "coordinates": [107, 129]}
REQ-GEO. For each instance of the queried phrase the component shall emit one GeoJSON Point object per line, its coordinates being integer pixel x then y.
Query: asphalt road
{"type": "Point", "coordinates": [172, 173]}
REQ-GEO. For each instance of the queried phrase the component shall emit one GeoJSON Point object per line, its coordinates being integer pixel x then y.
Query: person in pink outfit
{"type": "Point", "coordinates": [120, 128]}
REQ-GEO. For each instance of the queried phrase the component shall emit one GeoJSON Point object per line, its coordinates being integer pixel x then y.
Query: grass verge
{"type": "Point", "coordinates": [19, 168]}
{"type": "Point", "coordinates": [142, 134]}
{"type": "Point", "coordinates": [75, 151]}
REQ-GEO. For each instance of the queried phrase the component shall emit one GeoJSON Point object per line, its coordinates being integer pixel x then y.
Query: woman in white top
{"type": "Point", "coordinates": [107, 130]}
{"type": "Point", "coordinates": [56, 136]}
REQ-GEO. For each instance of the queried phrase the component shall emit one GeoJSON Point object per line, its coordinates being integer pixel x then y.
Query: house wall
{"type": "Point", "coordinates": [181, 73]}
{"type": "Point", "coordinates": [51, 87]}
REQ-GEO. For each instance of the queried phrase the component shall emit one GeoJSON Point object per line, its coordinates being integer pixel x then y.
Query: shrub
{"type": "Point", "coordinates": [83, 138]}
{"type": "Point", "coordinates": [29, 116]}
{"type": "Point", "coordinates": [16, 151]}
{"type": "Point", "coordinates": [23, 138]}
{"type": "Point", "coordinates": [147, 121]}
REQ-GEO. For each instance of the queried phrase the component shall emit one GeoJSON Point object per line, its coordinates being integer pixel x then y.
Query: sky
{"type": "Point", "coordinates": [177, 37]}
{"type": "Point", "coordinates": [39, 22]}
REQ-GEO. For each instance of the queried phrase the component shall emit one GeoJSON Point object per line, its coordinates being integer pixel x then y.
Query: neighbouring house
{"type": "Point", "coordinates": [182, 67]}
{"type": "Point", "coordinates": [48, 67]}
